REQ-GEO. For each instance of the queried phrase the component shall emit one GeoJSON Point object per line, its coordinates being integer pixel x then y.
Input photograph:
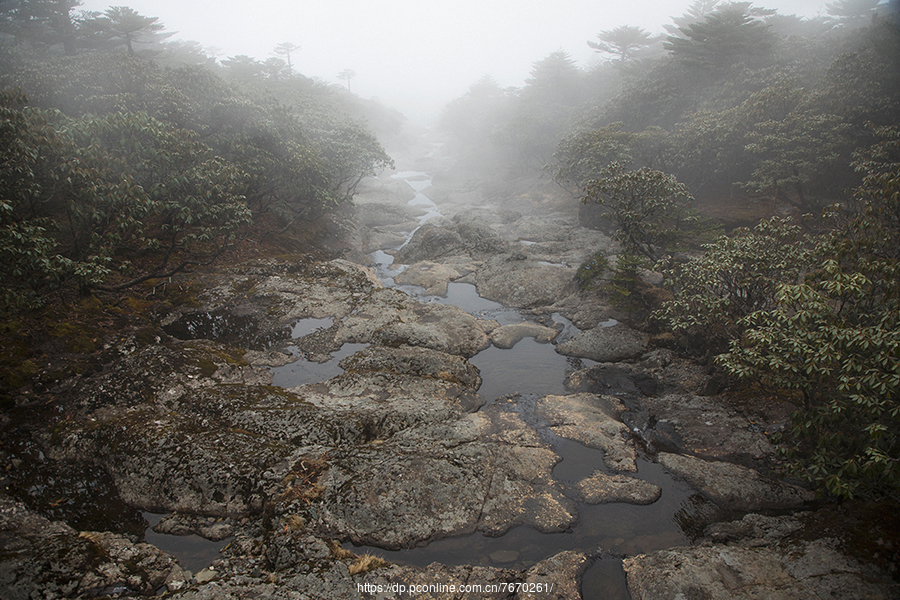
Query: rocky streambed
{"type": "Point", "coordinates": [350, 433]}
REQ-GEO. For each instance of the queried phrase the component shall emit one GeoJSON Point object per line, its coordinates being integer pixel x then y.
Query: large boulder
{"type": "Point", "coordinates": [606, 344]}
{"type": "Point", "coordinates": [429, 482]}
{"type": "Point", "coordinates": [431, 243]}
{"type": "Point", "coordinates": [515, 280]}
{"type": "Point", "coordinates": [709, 427]}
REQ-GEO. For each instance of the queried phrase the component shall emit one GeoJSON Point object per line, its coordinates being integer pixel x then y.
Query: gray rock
{"type": "Point", "coordinates": [432, 276]}
{"type": "Point", "coordinates": [205, 576]}
{"type": "Point", "coordinates": [428, 482]}
{"type": "Point", "coordinates": [606, 344]}
{"type": "Point", "coordinates": [416, 362]}
{"type": "Point", "coordinates": [798, 571]}
{"type": "Point", "coordinates": [613, 379]}
{"type": "Point", "coordinates": [514, 280]}
{"type": "Point", "coordinates": [391, 318]}
{"type": "Point", "coordinates": [379, 214]}
{"type": "Point", "coordinates": [174, 462]}
{"type": "Point", "coordinates": [268, 358]}
{"type": "Point", "coordinates": [464, 238]}
{"type": "Point", "coordinates": [40, 558]}
{"type": "Point", "coordinates": [595, 422]}
{"type": "Point", "coordinates": [207, 527]}
{"type": "Point", "coordinates": [481, 241]}
{"type": "Point", "coordinates": [754, 529]}
{"type": "Point", "coordinates": [559, 577]}
{"type": "Point", "coordinates": [508, 336]}
{"type": "Point", "coordinates": [734, 487]}
{"type": "Point", "coordinates": [601, 488]}
{"type": "Point", "coordinates": [709, 427]}
{"type": "Point", "coordinates": [431, 243]}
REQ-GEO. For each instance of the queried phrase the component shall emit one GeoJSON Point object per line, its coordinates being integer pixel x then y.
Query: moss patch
{"type": "Point", "coordinates": [79, 339]}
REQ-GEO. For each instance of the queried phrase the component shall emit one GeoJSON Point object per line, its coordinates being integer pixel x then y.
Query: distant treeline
{"type": "Point", "coordinates": [736, 99]}
{"type": "Point", "coordinates": [124, 157]}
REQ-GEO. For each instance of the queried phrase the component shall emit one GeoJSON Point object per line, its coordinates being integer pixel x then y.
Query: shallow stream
{"type": "Point", "coordinates": [527, 371]}
{"type": "Point", "coordinates": [532, 369]}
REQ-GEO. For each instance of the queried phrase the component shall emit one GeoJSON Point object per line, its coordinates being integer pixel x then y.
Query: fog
{"type": "Point", "coordinates": [415, 55]}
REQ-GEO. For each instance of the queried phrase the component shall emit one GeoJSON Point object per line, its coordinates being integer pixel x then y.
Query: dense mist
{"type": "Point", "coordinates": [593, 298]}
{"type": "Point", "coordinates": [416, 56]}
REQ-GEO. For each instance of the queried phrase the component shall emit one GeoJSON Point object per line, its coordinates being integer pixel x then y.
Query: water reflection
{"type": "Point", "coordinates": [194, 553]}
{"type": "Point", "coordinates": [604, 531]}
{"type": "Point", "coordinates": [528, 368]}
{"type": "Point", "coordinates": [222, 325]}
{"type": "Point", "coordinates": [302, 371]}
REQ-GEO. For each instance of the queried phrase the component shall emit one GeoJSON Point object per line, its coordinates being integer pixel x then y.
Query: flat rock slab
{"type": "Point", "coordinates": [309, 575]}
{"type": "Point", "coordinates": [416, 362]}
{"type": "Point", "coordinates": [594, 421]}
{"type": "Point", "coordinates": [362, 309]}
{"type": "Point", "coordinates": [613, 379]}
{"type": "Point", "coordinates": [706, 426]}
{"type": "Point", "coordinates": [44, 559]}
{"type": "Point", "coordinates": [601, 488]}
{"type": "Point", "coordinates": [814, 570]}
{"type": "Point", "coordinates": [514, 280]}
{"type": "Point", "coordinates": [606, 344]}
{"type": "Point", "coordinates": [555, 578]}
{"type": "Point", "coordinates": [486, 472]}
{"type": "Point", "coordinates": [391, 318]}
{"type": "Point", "coordinates": [174, 462]}
{"type": "Point", "coordinates": [734, 487]}
{"type": "Point", "coordinates": [508, 336]}
{"type": "Point", "coordinates": [432, 276]}
{"type": "Point", "coordinates": [181, 441]}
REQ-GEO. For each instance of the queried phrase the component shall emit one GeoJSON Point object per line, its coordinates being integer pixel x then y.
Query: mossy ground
{"type": "Point", "coordinates": [69, 337]}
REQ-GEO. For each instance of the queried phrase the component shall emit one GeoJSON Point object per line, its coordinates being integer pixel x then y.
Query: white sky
{"type": "Point", "coordinates": [414, 55]}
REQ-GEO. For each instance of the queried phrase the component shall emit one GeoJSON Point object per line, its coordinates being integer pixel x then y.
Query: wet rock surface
{"type": "Point", "coordinates": [430, 482]}
{"type": "Point", "coordinates": [518, 281]}
{"type": "Point", "coordinates": [400, 450]}
{"type": "Point", "coordinates": [593, 421]}
{"type": "Point", "coordinates": [600, 488]}
{"type": "Point", "coordinates": [735, 487]}
{"type": "Point", "coordinates": [606, 344]}
{"type": "Point", "coordinates": [434, 277]}
{"type": "Point", "coordinates": [710, 428]}
{"type": "Point", "coordinates": [40, 558]}
{"type": "Point", "coordinates": [761, 560]}
{"type": "Point", "coordinates": [508, 336]}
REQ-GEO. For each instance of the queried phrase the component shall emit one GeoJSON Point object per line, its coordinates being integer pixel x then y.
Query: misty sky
{"type": "Point", "coordinates": [414, 55]}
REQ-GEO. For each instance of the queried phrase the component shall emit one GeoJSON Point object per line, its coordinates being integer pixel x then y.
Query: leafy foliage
{"type": "Point", "coordinates": [647, 205]}
{"type": "Point", "coordinates": [735, 276]}
{"type": "Point", "coordinates": [834, 340]}
{"type": "Point", "coordinates": [624, 285]}
{"type": "Point", "coordinates": [733, 33]}
{"type": "Point", "coordinates": [109, 201]}
{"type": "Point", "coordinates": [591, 270]}
{"type": "Point", "coordinates": [585, 155]}
{"type": "Point", "coordinates": [791, 143]}
{"type": "Point", "coordinates": [623, 41]}
{"type": "Point", "coordinates": [118, 169]}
